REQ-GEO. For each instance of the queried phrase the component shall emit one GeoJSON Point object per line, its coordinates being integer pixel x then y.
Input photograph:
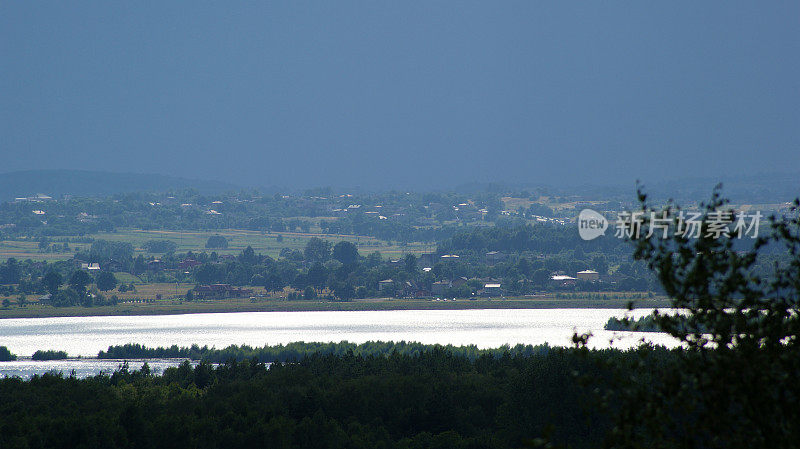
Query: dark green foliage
{"type": "Point", "coordinates": [6, 355]}
{"type": "Point", "coordinates": [52, 281]}
{"type": "Point", "coordinates": [410, 263]}
{"type": "Point", "coordinates": [160, 246]}
{"type": "Point", "coordinates": [273, 283]}
{"type": "Point", "coordinates": [217, 241]}
{"type": "Point", "coordinates": [293, 352]}
{"type": "Point", "coordinates": [49, 355]}
{"type": "Point", "coordinates": [248, 256]}
{"type": "Point", "coordinates": [10, 272]}
{"type": "Point", "coordinates": [66, 297]}
{"type": "Point", "coordinates": [540, 209]}
{"type": "Point", "coordinates": [650, 323]}
{"type": "Point", "coordinates": [735, 383]}
{"type": "Point", "coordinates": [137, 351]}
{"type": "Point", "coordinates": [432, 398]}
{"type": "Point", "coordinates": [317, 276]}
{"type": "Point", "coordinates": [344, 291]}
{"type": "Point", "coordinates": [546, 239]}
{"type": "Point", "coordinates": [210, 273]}
{"type": "Point", "coordinates": [317, 250]}
{"type": "Point", "coordinates": [79, 280]}
{"type": "Point", "coordinates": [345, 252]}
{"type": "Point", "coordinates": [107, 250]}
{"type": "Point", "coordinates": [106, 281]}
{"type": "Point", "coordinates": [643, 324]}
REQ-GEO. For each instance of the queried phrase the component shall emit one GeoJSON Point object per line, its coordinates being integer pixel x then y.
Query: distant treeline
{"type": "Point", "coordinates": [6, 355]}
{"type": "Point", "coordinates": [644, 324]}
{"type": "Point", "coordinates": [649, 323]}
{"type": "Point", "coordinates": [297, 351]}
{"type": "Point", "coordinates": [49, 355]}
{"type": "Point", "coordinates": [541, 239]}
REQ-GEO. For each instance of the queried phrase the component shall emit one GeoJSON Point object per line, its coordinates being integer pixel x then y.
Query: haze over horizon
{"type": "Point", "coordinates": [398, 95]}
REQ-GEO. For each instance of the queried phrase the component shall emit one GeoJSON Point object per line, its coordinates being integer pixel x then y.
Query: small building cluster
{"type": "Point", "coordinates": [413, 289]}
{"type": "Point", "coordinates": [566, 280]}
{"type": "Point", "coordinates": [38, 198]}
{"type": "Point", "coordinates": [94, 266]}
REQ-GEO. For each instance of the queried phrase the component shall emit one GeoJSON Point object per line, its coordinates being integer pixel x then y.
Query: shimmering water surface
{"type": "Point", "coordinates": [81, 367]}
{"type": "Point", "coordinates": [85, 336]}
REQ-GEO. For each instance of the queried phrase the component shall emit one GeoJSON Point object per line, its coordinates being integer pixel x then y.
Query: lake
{"type": "Point", "coordinates": [86, 336]}
{"type": "Point", "coordinates": [81, 367]}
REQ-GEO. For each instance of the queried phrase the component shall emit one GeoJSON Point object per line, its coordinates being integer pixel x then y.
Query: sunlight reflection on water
{"type": "Point", "coordinates": [85, 336]}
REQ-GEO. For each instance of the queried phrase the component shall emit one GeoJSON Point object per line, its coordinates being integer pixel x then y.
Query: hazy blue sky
{"type": "Point", "coordinates": [402, 93]}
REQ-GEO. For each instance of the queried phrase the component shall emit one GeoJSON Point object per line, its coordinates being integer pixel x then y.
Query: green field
{"type": "Point", "coordinates": [25, 249]}
{"type": "Point", "coordinates": [264, 243]}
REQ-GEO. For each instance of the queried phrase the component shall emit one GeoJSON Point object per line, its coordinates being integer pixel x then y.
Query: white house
{"type": "Point", "coordinates": [492, 290]}
{"type": "Point", "coordinates": [562, 277]}
{"type": "Point", "coordinates": [385, 284]}
{"type": "Point", "coordinates": [588, 275]}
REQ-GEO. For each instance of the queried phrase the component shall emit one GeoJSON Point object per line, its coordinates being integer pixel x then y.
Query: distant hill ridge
{"type": "Point", "coordinates": [755, 188]}
{"type": "Point", "coordinates": [56, 183]}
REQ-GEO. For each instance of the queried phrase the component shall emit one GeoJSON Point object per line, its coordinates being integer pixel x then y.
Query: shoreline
{"type": "Point", "coordinates": [245, 305]}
